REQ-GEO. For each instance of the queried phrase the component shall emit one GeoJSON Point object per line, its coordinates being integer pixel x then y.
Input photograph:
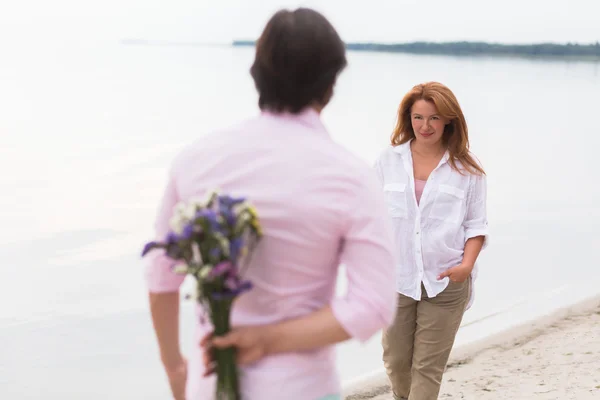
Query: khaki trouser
{"type": "Point", "coordinates": [417, 345]}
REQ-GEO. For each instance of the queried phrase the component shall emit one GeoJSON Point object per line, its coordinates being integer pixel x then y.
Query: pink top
{"type": "Point", "coordinates": [419, 186]}
{"type": "Point", "coordinates": [319, 206]}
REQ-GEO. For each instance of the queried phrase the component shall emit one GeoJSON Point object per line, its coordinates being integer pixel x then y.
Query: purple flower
{"type": "Point", "coordinates": [215, 253]}
{"type": "Point", "coordinates": [221, 295]}
{"type": "Point", "coordinates": [229, 294]}
{"type": "Point", "coordinates": [229, 216]}
{"type": "Point", "coordinates": [227, 202]}
{"type": "Point", "coordinates": [149, 246]}
{"type": "Point", "coordinates": [243, 287]}
{"type": "Point", "coordinates": [211, 217]}
{"type": "Point", "coordinates": [172, 238]}
{"type": "Point", "coordinates": [188, 231]}
{"type": "Point", "coordinates": [232, 282]}
{"type": "Point", "coordinates": [235, 246]}
{"type": "Point", "coordinates": [221, 269]}
{"type": "Point", "coordinates": [237, 286]}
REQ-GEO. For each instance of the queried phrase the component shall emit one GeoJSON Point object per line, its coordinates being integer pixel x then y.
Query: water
{"type": "Point", "coordinates": [87, 133]}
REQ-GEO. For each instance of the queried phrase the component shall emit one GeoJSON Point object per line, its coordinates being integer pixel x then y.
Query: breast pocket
{"type": "Point", "coordinates": [448, 204]}
{"type": "Point", "coordinates": [395, 197]}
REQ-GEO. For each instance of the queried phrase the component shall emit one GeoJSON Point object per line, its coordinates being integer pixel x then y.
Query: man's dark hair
{"type": "Point", "coordinates": [298, 58]}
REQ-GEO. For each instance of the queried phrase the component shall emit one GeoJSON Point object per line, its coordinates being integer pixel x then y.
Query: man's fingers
{"type": "Point", "coordinates": [209, 370]}
{"type": "Point", "coordinates": [229, 340]}
{"type": "Point", "coordinates": [207, 357]}
{"type": "Point", "coordinates": [205, 342]}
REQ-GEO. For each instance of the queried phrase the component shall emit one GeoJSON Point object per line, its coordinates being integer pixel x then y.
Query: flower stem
{"type": "Point", "coordinates": [225, 359]}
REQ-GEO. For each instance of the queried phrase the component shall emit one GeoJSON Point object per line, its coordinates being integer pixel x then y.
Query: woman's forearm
{"type": "Point", "coordinates": [315, 330]}
{"type": "Point", "coordinates": [472, 249]}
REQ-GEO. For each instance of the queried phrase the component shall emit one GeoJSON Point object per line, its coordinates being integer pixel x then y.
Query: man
{"type": "Point", "coordinates": [318, 205]}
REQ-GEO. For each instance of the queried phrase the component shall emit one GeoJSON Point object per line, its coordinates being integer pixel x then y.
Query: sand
{"type": "Point", "coordinates": [554, 357]}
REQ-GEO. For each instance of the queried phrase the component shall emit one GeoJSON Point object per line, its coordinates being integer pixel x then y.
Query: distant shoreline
{"type": "Point", "coordinates": [590, 52]}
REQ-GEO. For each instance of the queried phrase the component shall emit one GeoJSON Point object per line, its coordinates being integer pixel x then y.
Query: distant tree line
{"type": "Point", "coordinates": [474, 48]}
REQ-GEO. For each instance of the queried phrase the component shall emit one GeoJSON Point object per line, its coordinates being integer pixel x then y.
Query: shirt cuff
{"type": "Point", "coordinates": [474, 232]}
{"type": "Point", "coordinates": [361, 321]}
{"type": "Point", "coordinates": [160, 277]}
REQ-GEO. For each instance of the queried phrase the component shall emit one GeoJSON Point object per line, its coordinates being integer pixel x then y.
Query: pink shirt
{"type": "Point", "coordinates": [320, 207]}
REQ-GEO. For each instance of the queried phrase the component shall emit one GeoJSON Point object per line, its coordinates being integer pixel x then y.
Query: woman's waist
{"type": "Point", "coordinates": [428, 270]}
{"type": "Point", "coordinates": [429, 260]}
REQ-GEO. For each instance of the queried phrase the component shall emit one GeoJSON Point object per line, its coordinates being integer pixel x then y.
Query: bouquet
{"type": "Point", "coordinates": [212, 239]}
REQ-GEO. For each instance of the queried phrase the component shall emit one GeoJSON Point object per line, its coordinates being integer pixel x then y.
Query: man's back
{"type": "Point", "coordinates": [319, 206]}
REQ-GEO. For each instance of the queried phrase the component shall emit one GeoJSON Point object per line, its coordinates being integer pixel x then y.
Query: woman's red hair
{"type": "Point", "coordinates": [456, 134]}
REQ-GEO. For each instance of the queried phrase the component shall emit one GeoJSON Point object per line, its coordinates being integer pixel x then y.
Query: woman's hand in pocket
{"type": "Point", "coordinates": [458, 274]}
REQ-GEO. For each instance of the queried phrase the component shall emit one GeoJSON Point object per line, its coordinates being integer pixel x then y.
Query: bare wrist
{"type": "Point", "coordinates": [468, 266]}
{"type": "Point", "coordinates": [270, 336]}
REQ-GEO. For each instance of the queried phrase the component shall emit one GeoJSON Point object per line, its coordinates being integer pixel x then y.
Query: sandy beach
{"type": "Point", "coordinates": [554, 357]}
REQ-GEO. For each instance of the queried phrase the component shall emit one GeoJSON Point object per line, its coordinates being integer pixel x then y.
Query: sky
{"type": "Point", "coordinates": [216, 21]}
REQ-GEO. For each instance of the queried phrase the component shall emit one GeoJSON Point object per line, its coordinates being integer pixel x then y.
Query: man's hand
{"type": "Point", "coordinates": [177, 375]}
{"type": "Point", "coordinates": [250, 342]}
{"type": "Point", "coordinates": [460, 273]}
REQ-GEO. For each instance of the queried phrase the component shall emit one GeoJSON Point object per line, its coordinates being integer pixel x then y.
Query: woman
{"type": "Point", "coordinates": [436, 197]}
{"type": "Point", "coordinates": [317, 209]}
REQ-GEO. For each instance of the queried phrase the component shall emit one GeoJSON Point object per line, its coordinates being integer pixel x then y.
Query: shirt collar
{"type": "Point", "coordinates": [404, 150]}
{"type": "Point", "coordinates": [308, 117]}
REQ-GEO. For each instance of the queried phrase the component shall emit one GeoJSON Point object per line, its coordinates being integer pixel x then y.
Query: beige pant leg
{"type": "Point", "coordinates": [438, 320]}
{"type": "Point", "coordinates": [397, 342]}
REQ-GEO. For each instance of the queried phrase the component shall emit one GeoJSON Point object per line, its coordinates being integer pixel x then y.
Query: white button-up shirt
{"type": "Point", "coordinates": [430, 236]}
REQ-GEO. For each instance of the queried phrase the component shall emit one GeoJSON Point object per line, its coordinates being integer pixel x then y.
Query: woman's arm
{"type": "Point", "coordinates": [476, 221]}
{"type": "Point", "coordinates": [476, 230]}
{"type": "Point", "coordinates": [472, 249]}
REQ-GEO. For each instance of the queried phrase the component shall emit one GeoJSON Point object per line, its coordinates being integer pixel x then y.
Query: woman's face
{"type": "Point", "coordinates": [427, 124]}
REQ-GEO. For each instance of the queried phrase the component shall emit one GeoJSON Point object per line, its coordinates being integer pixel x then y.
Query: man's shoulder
{"type": "Point", "coordinates": [211, 142]}
{"type": "Point", "coordinates": [349, 161]}
{"type": "Point", "coordinates": [355, 173]}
